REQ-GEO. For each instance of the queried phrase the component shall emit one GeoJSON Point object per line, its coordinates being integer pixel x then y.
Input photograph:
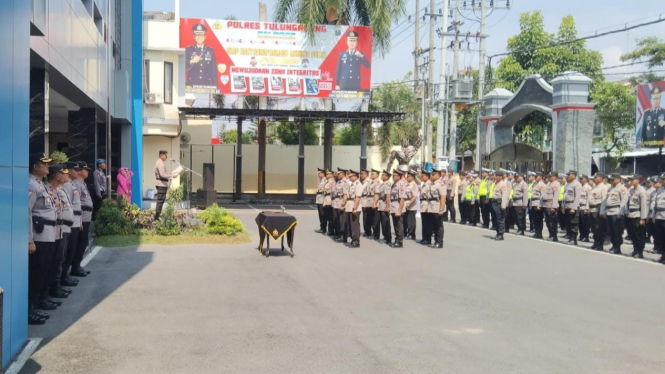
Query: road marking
{"type": "Point", "coordinates": [577, 247]}
{"type": "Point", "coordinates": [312, 207]}
{"type": "Point", "coordinates": [23, 357]}
{"type": "Point", "coordinates": [92, 254]}
{"type": "Point", "coordinates": [253, 208]}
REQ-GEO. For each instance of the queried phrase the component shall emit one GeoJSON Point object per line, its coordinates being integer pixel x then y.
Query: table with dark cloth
{"type": "Point", "coordinates": [275, 225]}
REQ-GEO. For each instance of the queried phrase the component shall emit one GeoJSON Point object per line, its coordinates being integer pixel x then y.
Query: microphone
{"type": "Point", "coordinates": [173, 160]}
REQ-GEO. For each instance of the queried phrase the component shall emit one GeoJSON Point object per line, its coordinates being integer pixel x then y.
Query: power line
{"type": "Point", "coordinates": [408, 37]}
{"type": "Point", "coordinates": [637, 72]}
{"type": "Point", "coordinates": [624, 65]}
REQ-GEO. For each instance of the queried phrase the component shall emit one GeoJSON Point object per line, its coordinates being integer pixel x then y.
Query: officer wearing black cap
{"type": "Point", "coordinates": [397, 207]}
{"type": "Point", "coordinates": [344, 216]}
{"type": "Point", "coordinates": [500, 200]}
{"type": "Point", "coordinates": [367, 202]}
{"type": "Point", "coordinates": [658, 219]}
{"type": "Point", "coordinates": [596, 198]}
{"type": "Point", "coordinates": [376, 214]}
{"type": "Point", "coordinates": [583, 212]}
{"type": "Point", "coordinates": [337, 207]}
{"type": "Point", "coordinates": [636, 214]}
{"type": "Point", "coordinates": [57, 177]}
{"type": "Point", "coordinates": [86, 217]}
{"type": "Point", "coordinates": [99, 183]}
{"type": "Point", "coordinates": [571, 204]}
{"type": "Point", "coordinates": [549, 203]}
{"type": "Point", "coordinates": [349, 65]}
{"type": "Point", "coordinates": [320, 183]}
{"type": "Point", "coordinates": [73, 192]}
{"type": "Point", "coordinates": [327, 201]}
{"type": "Point", "coordinates": [201, 65]}
{"type": "Point", "coordinates": [613, 208]}
{"type": "Point", "coordinates": [653, 122]}
{"type": "Point", "coordinates": [411, 205]}
{"type": "Point", "coordinates": [353, 207]}
{"type": "Point", "coordinates": [425, 215]}
{"type": "Point", "coordinates": [382, 203]}
{"type": "Point", "coordinates": [537, 212]}
{"type": "Point", "coordinates": [437, 206]}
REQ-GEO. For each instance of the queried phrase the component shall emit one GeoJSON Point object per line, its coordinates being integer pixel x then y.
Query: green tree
{"type": "Point", "coordinates": [651, 48]}
{"type": "Point", "coordinates": [378, 14]}
{"type": "Point", "coordinates": [615, 110]}
{"type": "Point", "coordinates": [289, 133]}
{"type": "Point", "coordinates": [351, 135]}
{"type": "Point", "coordinates": [231, 137]}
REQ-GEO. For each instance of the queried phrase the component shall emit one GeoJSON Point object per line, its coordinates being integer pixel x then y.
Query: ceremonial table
{"type": "Point", "coordinates": [275, 225]}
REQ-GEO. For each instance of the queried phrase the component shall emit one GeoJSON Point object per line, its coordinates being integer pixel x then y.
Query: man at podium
{"type": "Point", "coordinates": [162, 180]}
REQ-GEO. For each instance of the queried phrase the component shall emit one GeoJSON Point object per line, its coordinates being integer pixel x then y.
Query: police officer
{"type": "Point", "coordinates": [470, 197]}
{"type": "Point", "coordinates": [583, 212]}
{"type": "Point", "coordinates": [520, 202]}
{"type": "Point", "coordinates": [397, 206]}
{"type": "Point", "coordinates": [500, 200]}
{"type": "Point", "coordinates": [320, 183]}
{"type": "Point", "coordinates": [366, 202]}
{"type": "Point", "coordinates": [461, 190]}
{"type": "Point", "coordinates": [337, 204]}
{"type": "Point", "coordinates": [99, 182]}
{"type": "Point", "coordinates": [561, 213]}
{"type": "Point", "coordinates": [536, 210]}
{"type": "Point", "coordinates": [653, 122]}
{"type": "Point", "coordinates": [613, 209]}
{"type": "Point", "coordinates": [571, 204]}
{"type": "Point", "coordinates": [327, 201]}
{"type": "Point", "coordinates": [451, 188]}
{"type": "Point", "coordinates": [637, 213]}
{"type": "Point", "coordinates": [343, 189]}
{"type": "Point", "coordinates": [86, 217]}
{"type": "Point", "coordinates": [411, 205]}
{"type": "Point", "coordinates": [437, 206]}
{"type": "Point", "coordinates": [382, 203]}
{"type": "Point", "coordinates": [550, 204]}
{"type": "Point", "coordinates": [201, 65]}
{"type": "Point", "coordinates": [650, 189]}
{"type": "Point", "coordinates": [41, 236]}
{"type": "Point", "coordinates": [490, 196]}
{"type": "Point", "coordinates": [425, 215]}
{"type": "Point", "coordinates": [531, 180]}
{"type": "Point", "coordinates": [376, 213]}
{"type": "Point", "coordinates": [58, 176]}
{"type": "Point", "coordinates": [353, 207]}
{"type": "Point", "coordinates": [72, 190]}
{"type": "Point", "coordinates": [596, 198]}
{"type": "Point", "coordinates": [510, 213]}
{"type": "Point", "coordinates": [658, 218]}
{"type": "Point", "coordinates": [483, 192]}
{"type": "Point", "coordinates": [349, 65]}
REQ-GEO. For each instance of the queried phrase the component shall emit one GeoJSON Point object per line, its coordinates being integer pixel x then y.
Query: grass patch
{"type": "Point", "coordinates": [188, 237]}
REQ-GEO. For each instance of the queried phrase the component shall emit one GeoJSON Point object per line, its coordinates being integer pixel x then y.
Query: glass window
{"type": "Point", "coordinates": [168, 82]}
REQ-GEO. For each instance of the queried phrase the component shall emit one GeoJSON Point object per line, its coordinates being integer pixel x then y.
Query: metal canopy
{"type": "Point", "coordinates": [283, 115]}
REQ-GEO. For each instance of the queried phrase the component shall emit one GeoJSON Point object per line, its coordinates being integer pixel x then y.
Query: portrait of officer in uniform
{"type": "Point", "coordinates": [349, 65]}
{"type": "Point", "coordinates": [201, 65]}
{"type": "Point", "coordinates": [653, 122]}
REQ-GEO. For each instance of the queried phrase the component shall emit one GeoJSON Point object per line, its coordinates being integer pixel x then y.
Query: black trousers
{"type": "Point", "coordinates": [354, 222]}
{"type": "Point", "coordinates": [511, 218]}
{"type": "Point", "coordinates": [328, 210]}
{"type": "Point", "coordinates": [615, 227]}
{"type": "Point", "coordinates": [520, 218]}
{"type": "Point", "coordinates": [572, 223]}
{"type": "Point", "coordinates": [410, 227]}
{"type": "Point", "coordinates": [500, 218]}
{"type": "Point", "coordinates": [323, 221]}
{"type": "Point", "coordinates": [70, 253]}
{"type": "Point", "coordinates": [437, 220]}
{"type": "Point", "coordinates": [368, 220]}
{"type": "Point", "coordinates": [344, 224]}
{"type": "Point", "coordinates": [532, 226]}
{"type": "Point", "coordinates": [584, 224]}
{"type": "Point", "coordinates": [450, 207]}
{"type": "Point", "coordinates": [492, 216]}
{"type": "Point", "coordinates": [336, 213]}
{"type": "Point", "coordinates": [537, 220]}
{"type": "Point", "coordinates": [385, 227]}
{"type": "Point", "coordinates": [427, 225]}
{"type": "Point", "coordinates": [38, 266]}
{"type": "Point", "coordinates": [473, 212]}
{"type": "Point", "coordinates": [485, 210]}
{"type": "Point", "coordinates": [629, 229]}
{"type": "Point", "coordinates": [561, 216]}
{"type": "Point", "coordinates": [55, 269]}
{"type": "Point", "coordinates": [651, 228]}
{"type": "Point", "coordinates": [96, 204]}
{"type": "Point", "coordinates": [81, 245]}
{"type": "Point", "coordinates": [659, 236]}
{"type": "Point", "coordinates": [161, 197]}
{"type": "Point", "coordinates": [639, 236]}
{"type": "Point", "coordinates": [399, 228]}
{"type": "Point", "coordinates": [598, 227]}
{"type": "Point", "coordinates": [463, 209]}
{"type": "Point", "coordinates": [376, 224]}
{"type": "Point", "coordinates": [551, 220]}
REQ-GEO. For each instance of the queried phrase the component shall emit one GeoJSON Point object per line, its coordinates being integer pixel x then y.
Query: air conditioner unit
{"type": "Point", "coordinates": [154, 98]}
{"type": "Point", "coordinates": [463, 89]}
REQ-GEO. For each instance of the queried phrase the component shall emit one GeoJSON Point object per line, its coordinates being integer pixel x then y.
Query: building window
{"type": "Point", "coordinates": [168, 83]}
{"type": "Point", "coordinates": [146, 76]}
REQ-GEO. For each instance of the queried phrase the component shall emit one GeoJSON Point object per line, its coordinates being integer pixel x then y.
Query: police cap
{"type": "Point", "coordinates": [614, 176]}
{"type": "Point", "coordinates": [73, 165]}
{"type": "Point", "coordinates": [376, 171]}
{"type": "Point", "coordinates": [57, 168]}
{"type": "Point", "coordinates": [655, 92]}
{"type": "Point", "coordinates": [352, 35]}
{"type": "Point", "coordinates": [353, 173]}
{"type": "Point", "coordinates": [39, 158]}
{"type": "Point", "coordinates": [199, 29]}
{"type": "Point", "coordinates": [636, 176]}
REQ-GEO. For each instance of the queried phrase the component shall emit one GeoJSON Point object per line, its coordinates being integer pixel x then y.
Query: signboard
{"type": "Point", "coordinates": [650, 115]}
{"type": "Point", "coordinates": [276, 59]}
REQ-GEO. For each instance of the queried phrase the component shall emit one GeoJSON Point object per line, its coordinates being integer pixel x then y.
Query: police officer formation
{"type": "Point", "coordinates": [606, 206]}
{"type": "Point", "coordinates": [60, 212]}
{"type": "Point", "coordinates": [385, 199]}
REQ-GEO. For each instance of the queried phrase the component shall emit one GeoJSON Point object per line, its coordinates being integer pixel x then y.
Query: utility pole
{"type": "Point", "coordinates": [453, 112]}
{"type": "Point", "coordinates": [416, 48]}
{"type": "Point", "coordinates": [443, 86]}
{"type": "Point", "coordinates": [430, 86]}
{"type": "Point", "coordinates": [481, 80]}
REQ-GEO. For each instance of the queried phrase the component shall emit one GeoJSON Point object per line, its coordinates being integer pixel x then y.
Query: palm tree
{"type": "Point", "coordinates": [377, 14]}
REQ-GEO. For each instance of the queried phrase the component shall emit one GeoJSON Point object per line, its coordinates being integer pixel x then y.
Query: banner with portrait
{"type": "Point", "coordinates": [276, 59]}
{"type": "Point", "coordinates": [650, 115]}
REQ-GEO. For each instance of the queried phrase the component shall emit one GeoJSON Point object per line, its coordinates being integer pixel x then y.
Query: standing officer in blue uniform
{"type": "Point", "coordinates": [348, 65]}
{"type": "Point", "coordinates": [201, 65]}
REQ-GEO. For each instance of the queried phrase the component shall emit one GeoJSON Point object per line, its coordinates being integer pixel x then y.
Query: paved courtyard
{"type": "Point", "coordinates": [475, 306]}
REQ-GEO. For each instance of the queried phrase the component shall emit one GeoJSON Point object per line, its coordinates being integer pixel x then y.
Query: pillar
{"type": "Point", "coordinates": [301, 161]}
{"type": "Point", "coordinates": [39, 116]}
{"type": "Point", "coordinates": [81, 131]}
{"type": "Point", "coordinates": [363, 144]}
{"type": "Point", "coordinates": [327, 143]}
{"type": "Point", "coordinates": [573, 118]}
{"type": "Point", "coordinates": [238, 191]}
{"type": "Point", "coordinates": [137, 97]}
{"type": "Point", "coordinates": [261, 137]}
{"type": "Point", "coordinates": [490, 137]}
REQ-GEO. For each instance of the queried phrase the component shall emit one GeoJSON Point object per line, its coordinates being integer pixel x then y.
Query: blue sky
{"type": "Point", "coordinates": [590, 15]}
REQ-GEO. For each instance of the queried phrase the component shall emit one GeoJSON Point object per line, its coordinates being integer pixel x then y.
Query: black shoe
{"type": "Point", "coordinates": [78, 273]}
{"type": "Point", "coordinates": [594, 246]}
{"type": "Point", "coordinates": [330, 234]}
{"type": "Point", "coordinates": [599, 248]}
{"type": "Point", "coordinates": [661, 260]}
{"type": "Point", "coordinates": [531, 231]}
{"type": "Point", "coordinates": [493, 228]}
{"type": "Point", "coordinates": [58, 294]}
{"type": "Point", "coordinates": [69, 282]}
{"type": "Point", "coordinates": [45, 305]}
{"type": "Point", "coordinates": [88, 272]}
{"type": "Point", "coordinates": [340, 240]}
{"type": "Point", "coordinates": [586, 240]}
{"type": "Point", "coordinates": [552, 239]}
{"type": "Point", "coordinates": [521, 233]}
{"type": "Point", "coordinates": [572, 242]}
{"type": "Point", "coordinates": [319, 231]}
{"type": "Point", "coordinates": [384, 241]}
{"type": "Point", "coordinates": [436, 245]}
{"type": "Point", "coordinates": [498, 237]}
{"type": "Point", "coordinates": [354, 245]}
{"type": "Point", "coordinates": [34, 319]}
{"type": "Point", "coordinates": [397, 245]}
{"type": "Point", "coordinates": [68, 291]}
{"type": "Point", "coordinates": [425, 242]}
{"type": "Point", "coordinates": [462, 222]}
{"type": "Point", "coordinates": [648, 241]}
{"type": "Point", "coordinates": [485, 226]}
{"type": "Point", "coordinates": [40, 314]}
{"type": "Point", "coordinates": [54, 301]}
{"type": "Point", "coordinates": [615, 251]}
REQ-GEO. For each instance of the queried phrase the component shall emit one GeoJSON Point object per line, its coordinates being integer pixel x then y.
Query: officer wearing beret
{"type": "Point", "coordinates": [201, 65]}
{"type": "Point", "coordinates": [653, 121]}
{"type": "Point", "coordinates": [367, 202]}
{"type": "Point", "coordinates": [349, 65]}
{"type": "Point", "coordinates": [337, 195]}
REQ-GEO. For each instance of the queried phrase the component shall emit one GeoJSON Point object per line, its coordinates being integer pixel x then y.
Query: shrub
{"type": "Point", "coordinates": [168, 225]}
{"type": "Point", "coordinates": [59, 157]}
{"type": "Point", "coordinates": [175, 195]}
{"type": "Point", "coordinates": [220, 221]}
{"type": "Point", "coordinates": [111, 220]}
